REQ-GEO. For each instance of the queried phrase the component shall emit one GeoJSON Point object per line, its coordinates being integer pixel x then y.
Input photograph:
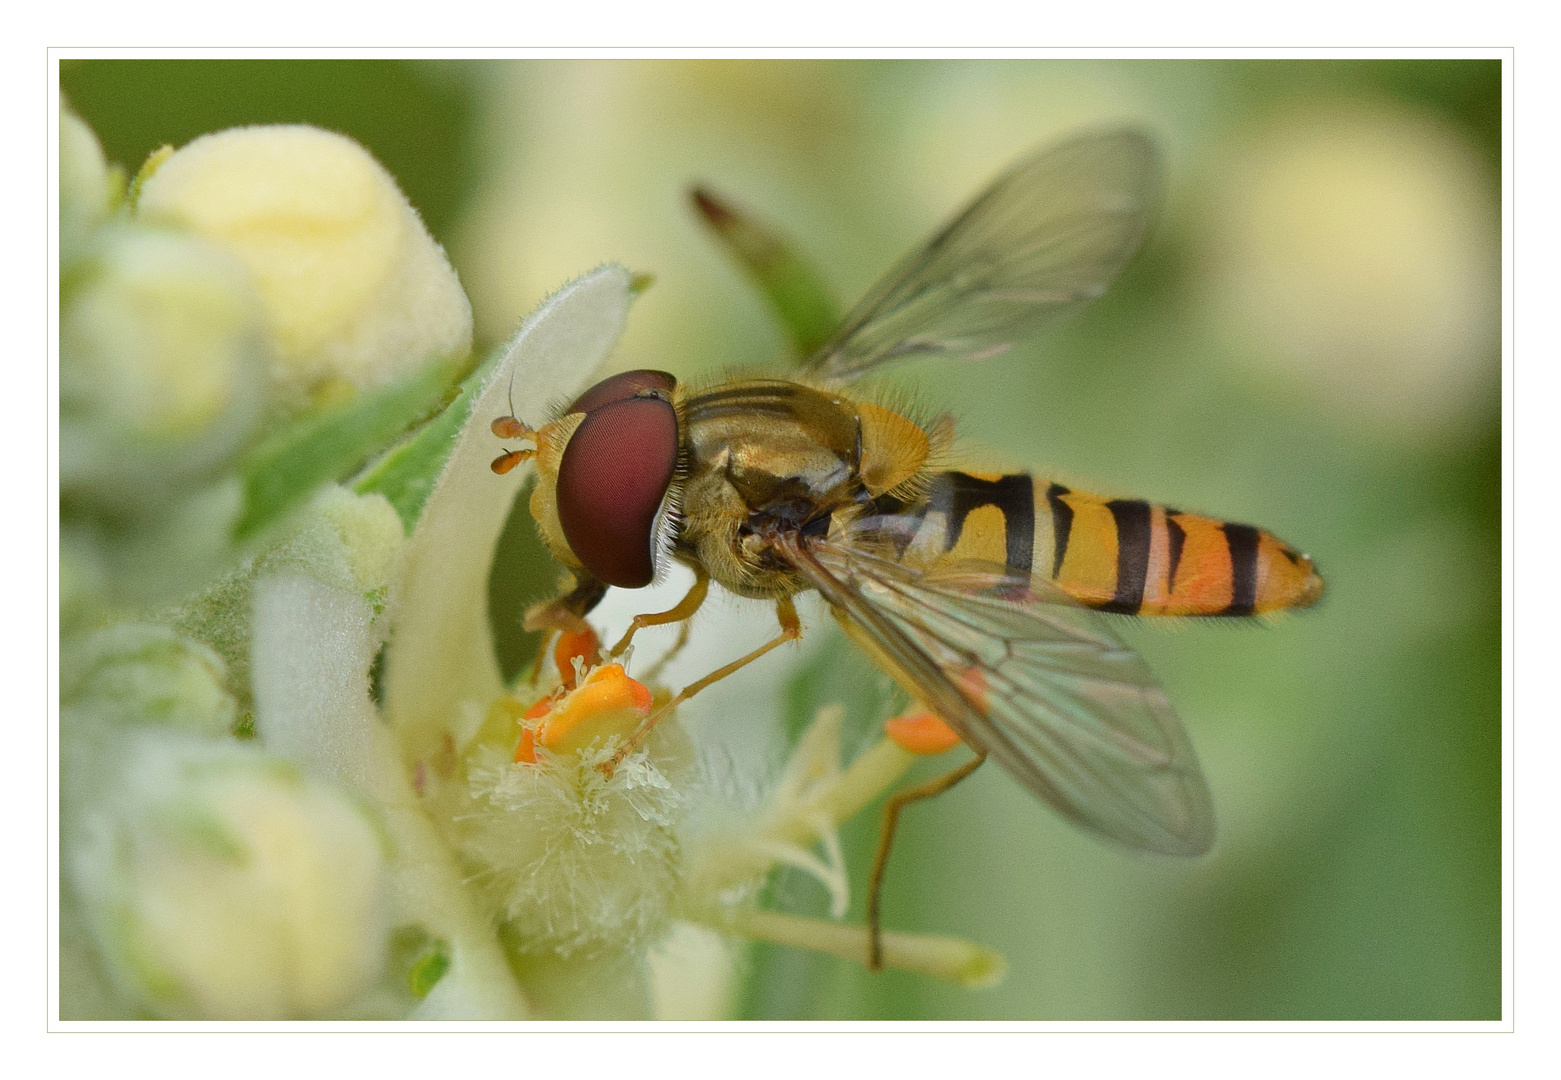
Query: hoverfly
{"type": "Point", "coordinates": [977, 593]}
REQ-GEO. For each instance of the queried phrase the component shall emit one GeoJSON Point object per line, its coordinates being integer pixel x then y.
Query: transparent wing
{"type": "Point", "coordinates": [1049, 234]}
{"type": "Point", "coordinates": [1037, 681]}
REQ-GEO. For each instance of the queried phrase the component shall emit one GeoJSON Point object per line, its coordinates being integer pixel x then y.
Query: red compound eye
{"type": "Point", "coordinates": [611, 481]}
{"type": "Point", "coordinates": [623, 385]}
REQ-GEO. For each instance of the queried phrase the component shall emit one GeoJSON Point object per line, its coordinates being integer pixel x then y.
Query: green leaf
{"type": "Point", "coordinates": [407, 473]}
{"type": "Point", "coordinates": [429, 969]}
{"type": "Point", "coordinates": [796, 294]}
{"type": "Point", "coordinates": [423, 957]}
{"type": "Point", "coordinates": [327, 445]}
{"type": "Point", "coordinates": [153, 162]}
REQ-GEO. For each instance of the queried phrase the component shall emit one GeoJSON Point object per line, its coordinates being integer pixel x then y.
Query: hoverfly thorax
{"type": "Point", "coordinates": [769, 458]}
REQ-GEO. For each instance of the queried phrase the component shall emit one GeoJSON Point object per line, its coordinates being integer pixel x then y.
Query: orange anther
{"type": "Point", "coordinates": [585, 645]}
{"type": "Point", "coordinates": [608, 702]}
{"type": "Point", "coordinates": [526, 749]}
{"type": "Point", "coordinates": [922, 733]}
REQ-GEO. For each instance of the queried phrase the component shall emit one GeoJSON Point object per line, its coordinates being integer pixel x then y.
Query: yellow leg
{"type": "Point", "coordinates": [791, 630]}
{"type": "Point", "coordinates": [554, 615]}
{"type": "Point", "coordinates": [567, 612]}
{"type": "Point", "coordinates": [680, 612]}
{"type": "Point", "coordinates": [654, 671]}
{"type": "Point", "coordinates": [891, 820]}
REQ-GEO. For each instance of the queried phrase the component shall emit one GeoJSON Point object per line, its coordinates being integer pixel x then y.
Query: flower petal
{"type": "Point", "coordinates": [314, 640]}
{"type": "Point", "coordinates": [440, 672]}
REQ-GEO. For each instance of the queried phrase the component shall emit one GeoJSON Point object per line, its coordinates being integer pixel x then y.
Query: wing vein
{"type": "Point", "coordinates": [1027, 674]}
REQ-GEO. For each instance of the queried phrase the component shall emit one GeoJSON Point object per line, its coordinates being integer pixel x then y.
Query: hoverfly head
{"type": "Point", "coordinates": [617, 487]}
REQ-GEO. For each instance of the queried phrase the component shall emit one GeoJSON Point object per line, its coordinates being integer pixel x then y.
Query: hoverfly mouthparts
{"type": "Point", "coordinates": [615, 475]}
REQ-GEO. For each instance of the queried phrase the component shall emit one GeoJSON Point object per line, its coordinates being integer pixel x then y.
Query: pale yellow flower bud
{"type": "Point", "coordinates": [129, 676]}
{"type": "Point", "coordinates": [347, 540]}
{"type": "Point", "coordinates": [163, 356]}
{"type": "Point", "coordinates": [222, 884]}
{"type": "Point", "coordinates": [1359, 248]}
{"type": "Point", "coordinates": [86, 184]}
{"type": "Point", "coordinates": [354, 287]}
{"type": "Point", "coordinates": [137, 673]}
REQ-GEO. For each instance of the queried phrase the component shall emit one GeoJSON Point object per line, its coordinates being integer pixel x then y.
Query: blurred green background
{"type": "Point", "coordinates": [1310, 342]}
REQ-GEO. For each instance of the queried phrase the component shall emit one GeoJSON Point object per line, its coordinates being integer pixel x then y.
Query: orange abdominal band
{"type": "Point", "coordinates": [922, 733]}
{"type": "Point", "coordinates": [607, 703]}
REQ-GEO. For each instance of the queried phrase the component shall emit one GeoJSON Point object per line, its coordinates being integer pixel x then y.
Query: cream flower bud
{"type": "Point", "coordinates": [138, 673]}
{"type": "Point", "coordinates": [150, 558]}
{"type": "Point", "coordinates": [127, 676]}
{"type": "Point", "coordinates": [354, 287]}
{"type": "Point", "coordinates": [86, 184]}
{"type": "Point", "coordinates": [83, 581]}
{"type": "Point", "coordinates": [1359, 247]}
{"type": "Point", "coordinates": [223, 884]}
{"type": "Point", "coordinates": [347, 540]}
{"type": "Point", "coordinates": [163, 356]}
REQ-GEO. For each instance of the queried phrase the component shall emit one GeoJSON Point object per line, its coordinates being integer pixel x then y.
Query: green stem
{"type": "Point", "coordinates": [951, 959]}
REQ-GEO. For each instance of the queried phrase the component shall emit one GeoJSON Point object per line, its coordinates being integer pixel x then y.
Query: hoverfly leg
{"type": "Point", "coordinates": [540, 660]}
{"type": "Point", "coordinates": [562, 615]}
{"type": "Point", "coordinates": [555, 614]}
{"type": "Point", "coordinates": [791, 630]}
{"type": "Point", "coordinates": [891, 820]}
{"type": "Point", "coordinates": [653, 672]}
{"type": "Point", "coordinates": [681, 612]}
{"type": "Point", "coordinates": [567, 612]}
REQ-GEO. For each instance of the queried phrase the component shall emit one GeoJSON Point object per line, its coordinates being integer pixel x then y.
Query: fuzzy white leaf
{"type": "Point", "coordinates": [313, 646]}
{"type": "Point", "coordinates": [313, 642]}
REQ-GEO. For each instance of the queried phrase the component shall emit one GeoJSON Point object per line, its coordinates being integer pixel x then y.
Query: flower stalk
{"type": "Point", "coordinates": [950, 959]}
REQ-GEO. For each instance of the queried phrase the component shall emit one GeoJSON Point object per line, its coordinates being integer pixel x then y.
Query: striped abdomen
{"type": "Point", "coordinates": [1123, 555]}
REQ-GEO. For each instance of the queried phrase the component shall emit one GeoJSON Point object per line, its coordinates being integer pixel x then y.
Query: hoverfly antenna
{"type": "Point", "coordinates": [509, 459]}
{"type": "Point", "coordinates": [510, 427]}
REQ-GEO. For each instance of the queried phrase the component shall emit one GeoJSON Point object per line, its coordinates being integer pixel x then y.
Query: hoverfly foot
{"type": "Point", "coordinates": [554, 615]}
